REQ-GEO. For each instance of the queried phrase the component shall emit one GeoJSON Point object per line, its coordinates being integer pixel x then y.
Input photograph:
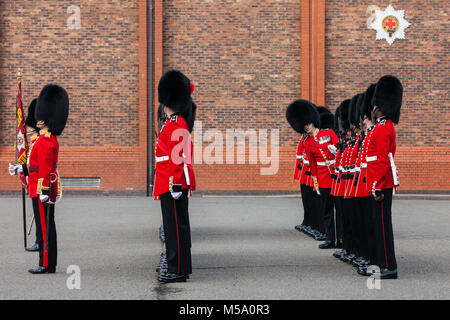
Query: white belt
{"type": "Point", "coordinates": [306, 162]}
{"type": "Point", "coordinates": [299, 157]}
{"type": "Point", "coordinates": [163, 158]}
{"type": "Point", "coordinates": [352, 170]}
{"type": "Point", "coordinates": [326, 163]}
{"type": "Point", "coordinates": [340, 168]}
{"type": "Point", "coordinates": [363, 165]}
{"type": "Point", "coordinates": [370, 159]}
{"type": "Point", "coordinates": [357, 169]}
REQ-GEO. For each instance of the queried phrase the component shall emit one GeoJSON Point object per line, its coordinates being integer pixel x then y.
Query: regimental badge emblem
{"type": "Point", "coordinates": [390, 24]}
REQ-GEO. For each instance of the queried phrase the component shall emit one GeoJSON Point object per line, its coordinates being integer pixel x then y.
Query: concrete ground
{"type": "Point", "coordinates": [242, 248]}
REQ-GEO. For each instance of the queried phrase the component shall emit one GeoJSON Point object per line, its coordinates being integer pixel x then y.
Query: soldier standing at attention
{"type": "Point", "coordinates": [174, 177]}
{"type": "Point", "coordinates": [381, 170]}
{"type": "Point", "coordinates": [52, 111]}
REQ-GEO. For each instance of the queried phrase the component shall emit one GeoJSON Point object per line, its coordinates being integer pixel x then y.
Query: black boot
{"type": "Point", "coordinates": [33, 248]}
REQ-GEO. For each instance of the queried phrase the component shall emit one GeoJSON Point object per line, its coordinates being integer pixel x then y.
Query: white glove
{"type": "Point", "coordinates": [43, 198]}
{"type": "Point", "coordinates": [332, 149]}
{"type": "Point", "coordinates": [14, 169]}
{"type": "Point", "coordinates": [176, 195]}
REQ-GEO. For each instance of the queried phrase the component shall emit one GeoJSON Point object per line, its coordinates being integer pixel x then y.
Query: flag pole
{"type": "Point", "coordinates": [24, 212]}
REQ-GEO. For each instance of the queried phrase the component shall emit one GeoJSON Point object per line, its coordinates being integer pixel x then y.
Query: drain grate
{"type": "Point", "coordinates": [80, 182]}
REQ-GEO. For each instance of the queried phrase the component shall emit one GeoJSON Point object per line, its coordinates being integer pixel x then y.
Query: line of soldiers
{"type": "Point", "coordinates": [345, 164]}
{"type": "Point", "coordinates": [46, 119]}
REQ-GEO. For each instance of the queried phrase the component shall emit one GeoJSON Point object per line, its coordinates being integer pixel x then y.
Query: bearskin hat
{"type": "Point", "coordinates": [174, 91]}
{"type": "Point", "coordinates": [366, 106]}
{"type": "Point", "coordinates": [388, 97]}
{"type": "Point", "coordinates": [300, 113]}
{"type": "Point", "coordinates": [344, 114]}
{"type": "Point", "coordinates": [52, 107]}
{"type": "Point", "coordinates": [351, 109]}
{"type": "Point", "coordinates": [30, 121]}
{"type": "Point", "coordinates": [326, 120]}
{"type": "Point", "coordinates": [322, 109]}
{"type": "Point", "coordinates": [189, 116]}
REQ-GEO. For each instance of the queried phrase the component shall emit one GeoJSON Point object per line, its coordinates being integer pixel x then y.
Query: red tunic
{"type": "Point", "coordinates": [321, 160]}
{"type": "Point", "coordinates": [361, 184]}
{"type": "Point", "coordinates": [349, 191]}
{"type": "Point", "coordinates": [43, 165]}
{"type": "Point", "coordinates": [378, 163]}
{"type": "Point", "coordinates": [336, 175]}
{"type": "Point", "coordinates": [340, 188]}
{"type": "Point", "coordinates": [173, 157]}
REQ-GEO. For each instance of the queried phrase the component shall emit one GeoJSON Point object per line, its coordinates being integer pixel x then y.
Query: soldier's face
{"type": "Point", "coordinates": [30, 132]}
{"type": "Point", "coordinates": [367, 123]}
{"type": "Point", "coordinates": [40, 124]}
{"type": "Point", "coordinates": [309, 129]}
{"type": "Point", "coordinates": [348, 134]}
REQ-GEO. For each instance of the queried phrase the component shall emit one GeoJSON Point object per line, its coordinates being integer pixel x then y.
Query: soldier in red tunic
{"type": "Point", "coordinates": [52, 110]}
{"type": "Point", "coordinates": [363, 199]}
{"type": "Point", "coordinates": [381, 171]}
{"type": "Point", "coordinates": [174, 177]}
{"type": "Point", "coordinates": [304, 118]}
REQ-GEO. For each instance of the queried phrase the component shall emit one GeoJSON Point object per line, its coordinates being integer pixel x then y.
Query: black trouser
{"type": "Point", "coordinates": [347, 226]}
{"type": "Point", "coordinates": [356, 226]}
{"type": "Point", "coordinates": [384, 256]}
{"type": "Point", "coordinates": [338, 207]}
{"type": "Point", "coordinates": [37, 220]}
{"type": "Point", "coordinates": [305, 203]}
{"type": "Point", "coordinates": [367, 241]}
{"type": "Point", "coordinates": [177, 231]}
{"type": "Point", "coordinates": [314, 209]}
{"type": "Point", "coordinates": [327, 213]}
{"type": "Point", "coordinates": [48, 249]}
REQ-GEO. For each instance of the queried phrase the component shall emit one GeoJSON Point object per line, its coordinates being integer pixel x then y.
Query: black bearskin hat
{"type": "Point", "coordinates": [366, 106]}
{"type": "Point", "coordinates": [326, 120]}
{"type": "Point", "coordinates": [388, 97]}
{"type": "Point", "coordinates": [189, 116]}
{"type": "Point", "coordinates": [351, 109]}
{"type": "Point", "coordinates": [341, 123]}
{"type": "Point", "coordinates": [174, 91]}
{"type": "Point", "coordinates": [30, 121]}
{"type": "Point", "coordinates": [322, 109]}
{"type": "Point", "coordinates": [300, 113]}
{"type": "Point", "coordinates": [52, 107]}
{"type": "Point", "coordinates": [354, 112]}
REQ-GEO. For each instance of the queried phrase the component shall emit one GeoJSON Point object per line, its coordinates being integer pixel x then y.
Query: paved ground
{"type": "Point", "coordinates": [243, 248]}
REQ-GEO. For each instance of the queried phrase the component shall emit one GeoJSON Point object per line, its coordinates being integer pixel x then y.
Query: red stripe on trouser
{"type": "Point", "coordinates": [178, 234]}
{"type": "Point", "coordinates": [384, 236]}
{"type": "Point", "coordinates": [44, 232]}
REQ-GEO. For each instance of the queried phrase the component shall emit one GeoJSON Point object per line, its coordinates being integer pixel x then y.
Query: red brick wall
{"type": "Point", "coordinates": [244, 58]}
{"type": "Point", "coordinates": [248, 59]}
{"type": "Point", "coordinates": [354, 59]}
{"type": "Point", "coordinates": [102, 66]}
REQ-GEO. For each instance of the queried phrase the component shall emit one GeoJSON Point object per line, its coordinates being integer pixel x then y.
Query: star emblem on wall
{"type": "Point", "coordinates": [390, 24]}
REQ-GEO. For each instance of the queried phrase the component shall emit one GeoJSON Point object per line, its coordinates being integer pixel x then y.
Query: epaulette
{"type": "Point", "coordinates": [45, 133]}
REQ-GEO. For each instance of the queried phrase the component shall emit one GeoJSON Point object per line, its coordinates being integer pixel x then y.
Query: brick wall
{"type": "Point", "coordinates": [249, 60]}
{"type": "Point", "coordinates": [355, 59]}
{"type": "Point", "coordinates": [99, 65]}
{"type": "Point", "coordinates": [244, 58]}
